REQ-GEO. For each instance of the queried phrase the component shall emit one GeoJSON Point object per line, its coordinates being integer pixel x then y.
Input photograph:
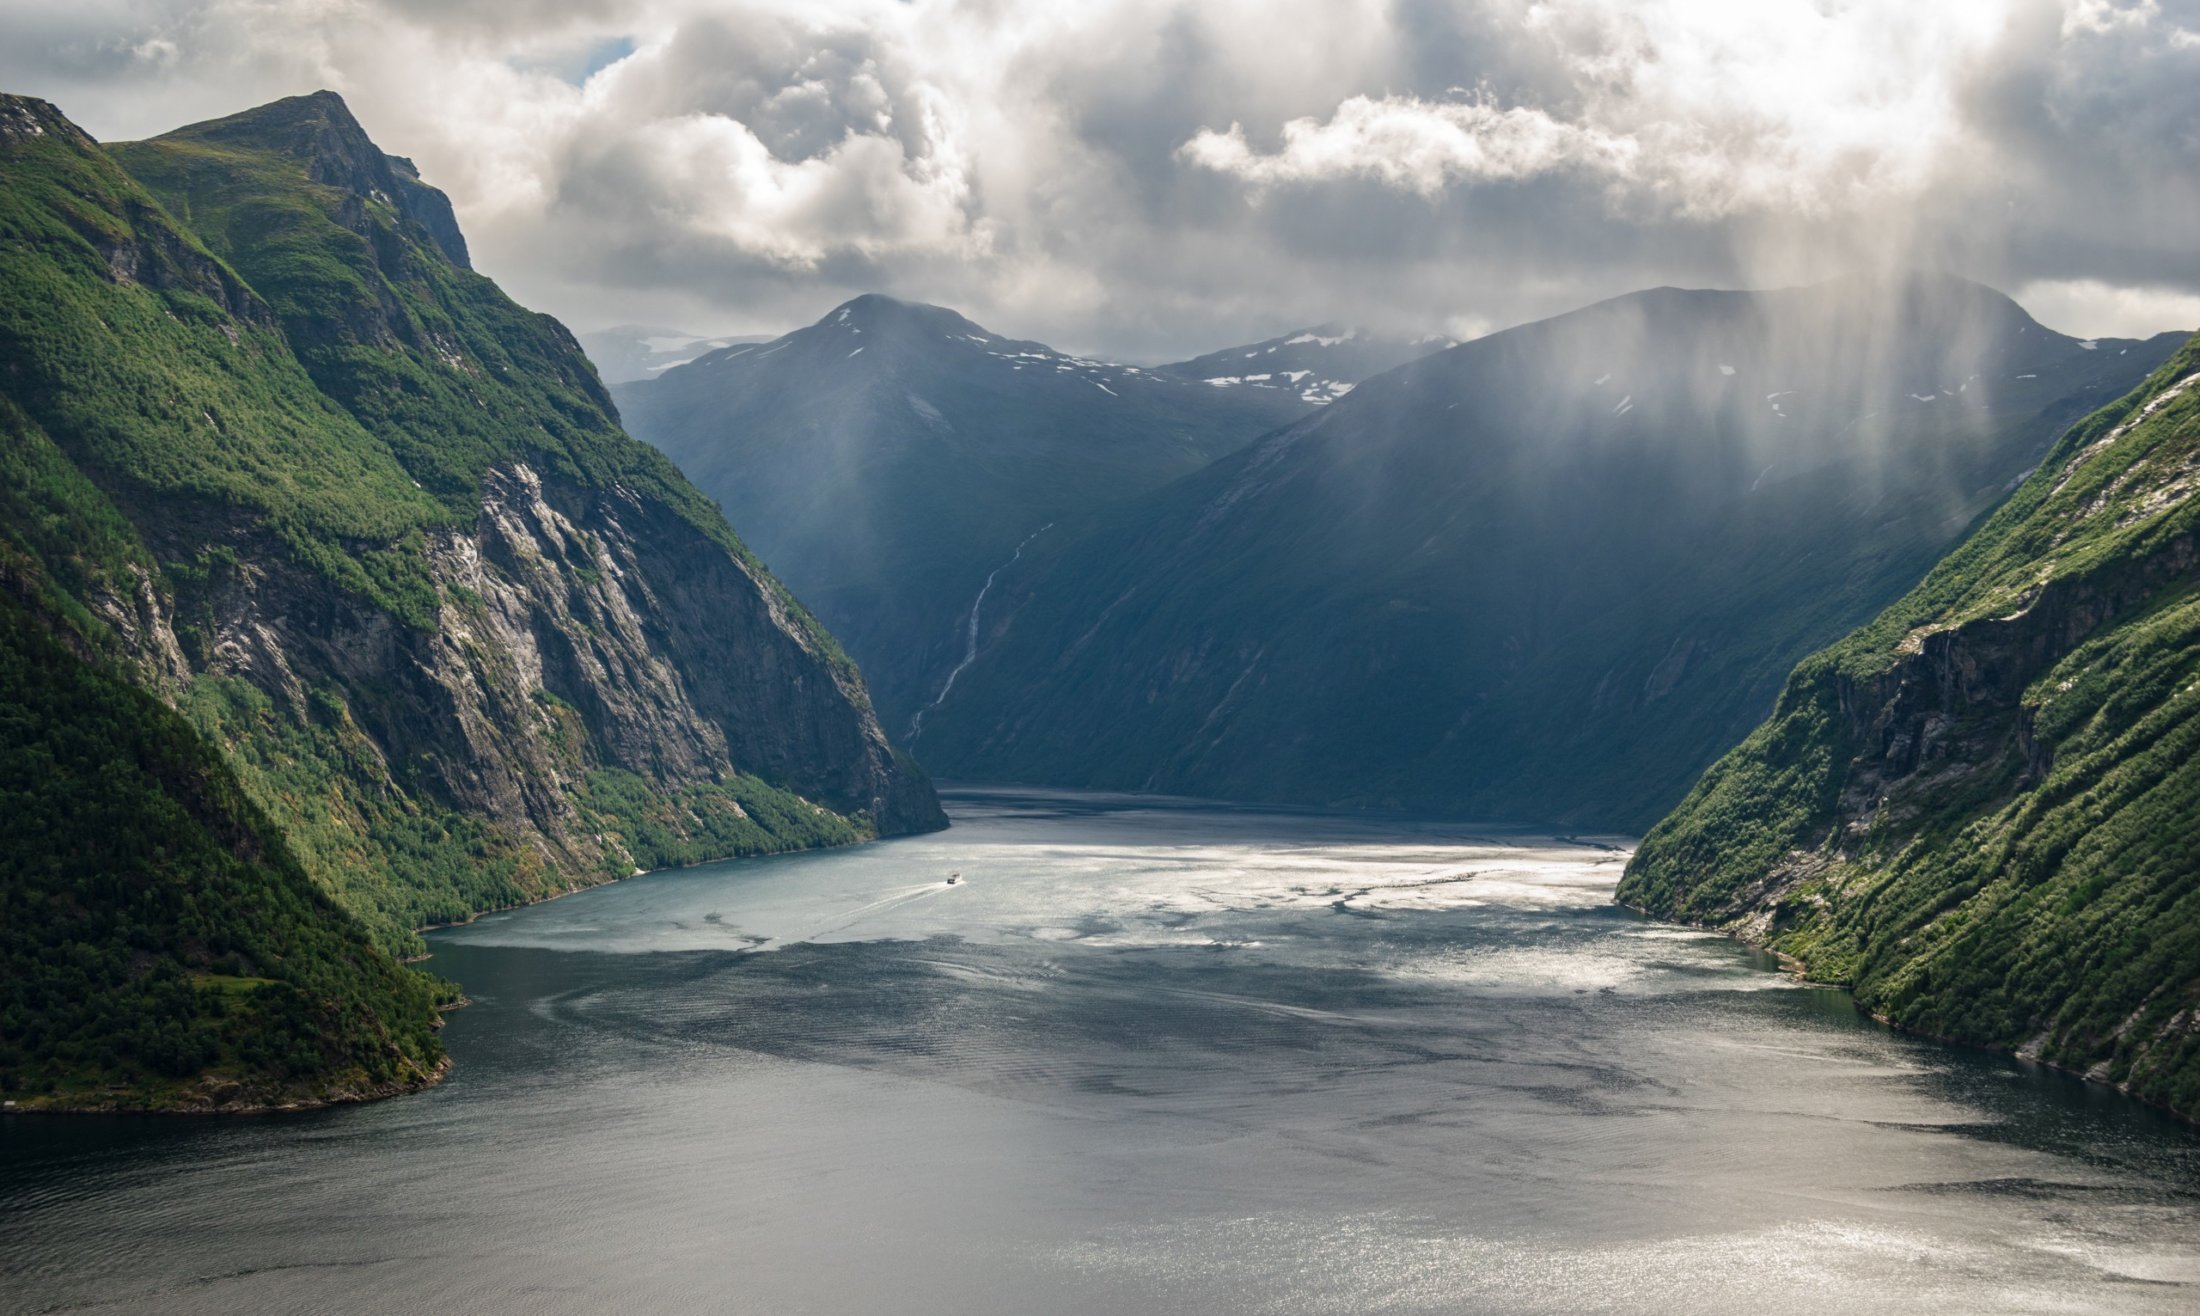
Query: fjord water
{"type": "Point", "coordinates": [1145, 1056]}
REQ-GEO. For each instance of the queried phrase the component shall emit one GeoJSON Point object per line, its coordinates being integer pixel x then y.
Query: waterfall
{"type": "Point", "coordinates": [970, 642]}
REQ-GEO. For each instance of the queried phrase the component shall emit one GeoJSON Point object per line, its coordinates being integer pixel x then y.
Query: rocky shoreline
{"type": "Point", "coordinates": [1800, 971]}
{"type": "Point", "coordinates": [221, 1095]}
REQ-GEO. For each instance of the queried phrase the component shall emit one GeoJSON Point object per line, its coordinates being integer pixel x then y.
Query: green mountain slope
{"type": "Point", "coordinates": [1982, 810]}
{"type": "Point", "coordinates": [447, 375]}
{"type": "Point", "coordinates": [1550, 574]}
{"type": "Point", "coordinates": [373, 530]}
{"type": "Point", "coordinates": [159, 945]}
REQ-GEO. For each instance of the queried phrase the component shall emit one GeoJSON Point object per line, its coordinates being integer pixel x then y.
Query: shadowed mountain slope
{"type": "Point", "coordinates": [889, 458]}
{"type": "Point", "coordinates": [1548, 574]}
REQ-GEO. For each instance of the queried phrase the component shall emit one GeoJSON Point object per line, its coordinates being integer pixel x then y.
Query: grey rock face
{"type": "Point", "coordinates": [679, 662]}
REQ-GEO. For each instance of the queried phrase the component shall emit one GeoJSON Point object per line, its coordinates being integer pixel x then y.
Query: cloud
{"type": "Point", "coordinates": [1417, 145]}
{"type": "Point", "coordinates": [780, 144]}
{"type": "Point", "coordinates": [1774, 107]}
{"type": "Point", "coordinates": [2105, 16]}
{"type": "Point", "coordinates": [1153, 177]}
{"type": "Point", "coordinates": [2093, 309]}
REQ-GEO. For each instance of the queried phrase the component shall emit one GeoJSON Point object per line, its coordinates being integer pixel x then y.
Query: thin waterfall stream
{"type": "Point", "coordinates": [970, 645]}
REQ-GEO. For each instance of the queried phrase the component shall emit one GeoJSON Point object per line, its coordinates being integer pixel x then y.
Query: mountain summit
{"type": "Point", "coordinates": [318, 133]}
{"type": "Point", "coordinates": [889, 458]}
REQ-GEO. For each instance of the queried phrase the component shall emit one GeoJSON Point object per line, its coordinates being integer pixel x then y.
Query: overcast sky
{"type": "Point", "coordinates": [1148, 178]}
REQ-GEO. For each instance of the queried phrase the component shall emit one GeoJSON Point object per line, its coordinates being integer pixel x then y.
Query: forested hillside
{"type": "Point", "coordinates": [1982, 810]}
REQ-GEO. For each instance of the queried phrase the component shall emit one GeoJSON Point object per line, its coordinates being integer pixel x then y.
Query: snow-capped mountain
{"type": "Point", "coordinates": [888, 459]}
{"type": "Point", "coordinates": [1317, 365]}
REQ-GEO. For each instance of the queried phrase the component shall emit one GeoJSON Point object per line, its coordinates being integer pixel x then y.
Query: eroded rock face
{"type": "Point", "coordinates": [1950, 710]}
{"type": "Point", "coordinates": [678, 662]}
{"type": "Point", "coordinates": [464, 638]}
{"type": "Point", "coordinates": [1953, 704]}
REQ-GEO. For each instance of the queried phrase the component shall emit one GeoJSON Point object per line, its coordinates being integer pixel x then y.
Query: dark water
{"type": "Point", "coordinates": [1145, 1058]}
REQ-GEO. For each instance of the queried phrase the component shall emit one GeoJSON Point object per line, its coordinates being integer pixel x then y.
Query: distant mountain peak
{"type": "Point", "coordinates": [876, 312]}
{"type": "Point", "coordinates": [874, 334]}
{"type": "Point", "coordinates": [881, 302]}
{"type": "Point", "coordinates": [319, 133]}
{"type": "Point", "coordinates": [1317, 365]}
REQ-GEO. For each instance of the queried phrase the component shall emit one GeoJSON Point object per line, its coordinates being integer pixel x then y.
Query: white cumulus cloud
{"type": "Point", "coordinates": [1417, 145]}
{"type": "Point", "coordinates": [1772, 106]}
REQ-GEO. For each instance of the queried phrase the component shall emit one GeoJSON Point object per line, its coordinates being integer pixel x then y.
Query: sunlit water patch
{"type": "Point", "coordinates": [1083, 1054]}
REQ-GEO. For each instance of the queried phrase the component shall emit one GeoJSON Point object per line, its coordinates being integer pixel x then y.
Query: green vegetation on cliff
{"type": "Point", "coordinates": [429, 357]}
{"type": "Point", "coordinates": [276, 464]}
{"type": "Point", "coordinates": [1982, 810]}
{"type": "Point", "coordinates": [159, 945]}
{"type": "Point", "coordinates": [155, 369]}
{"type": "Point", "coordinates": [743, 815]}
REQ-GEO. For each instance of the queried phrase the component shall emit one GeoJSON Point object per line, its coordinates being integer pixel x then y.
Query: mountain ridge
{"type": "Point", "coordinates": [1669, 465]}
{"type": "Point", "coordinates": [1319, 364]}
{"type": "Point", "coordinates": [317, 132]}
{"type": "Point", "coordinates": [629, 353]}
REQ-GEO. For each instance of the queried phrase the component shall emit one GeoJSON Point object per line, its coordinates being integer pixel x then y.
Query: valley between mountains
{"type": "Point", "coordinates": [341, 596]}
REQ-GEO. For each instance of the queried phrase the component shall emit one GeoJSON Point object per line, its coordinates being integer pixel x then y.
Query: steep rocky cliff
{"type": "Point", "coordinates": [1982, 811]}
{"type": "Point", "coordinates": [375, 531]}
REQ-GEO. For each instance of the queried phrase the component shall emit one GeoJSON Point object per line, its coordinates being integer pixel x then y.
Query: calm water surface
{"type": "Point", "coordinates": [1145, 1057]}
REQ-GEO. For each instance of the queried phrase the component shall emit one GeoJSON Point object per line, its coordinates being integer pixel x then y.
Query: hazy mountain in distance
{"type": "Point", "coordinates": [1317, 365]}
{"type": "Point", "coordinates": [1981, 811]}
{"type": "Point", "coordinates": [1548, 574]}
{"type": "Point", "coordinates": [627, 352]}
{"type": "Point", "coordinates": [888, 459]}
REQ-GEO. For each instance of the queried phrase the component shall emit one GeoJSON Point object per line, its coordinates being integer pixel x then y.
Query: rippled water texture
{"type": "Point", "coordinates": [1145, 1057]}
